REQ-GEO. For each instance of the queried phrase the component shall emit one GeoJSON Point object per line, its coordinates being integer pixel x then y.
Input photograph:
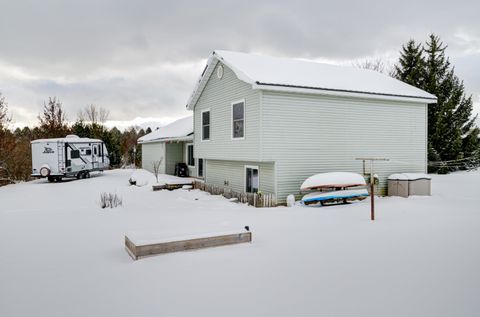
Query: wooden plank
{"type": "Point", "coordinates": [158, 187]}
{"type": "Point", "coordinates": [170, 186]}
{"type": "Point", "coordinates": [137, 251]}
{"type": "Point", "coordinates": [131, 248]}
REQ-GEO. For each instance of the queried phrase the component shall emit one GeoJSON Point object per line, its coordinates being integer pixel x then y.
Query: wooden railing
{"type": "Point", "coordinates": [253, 199]}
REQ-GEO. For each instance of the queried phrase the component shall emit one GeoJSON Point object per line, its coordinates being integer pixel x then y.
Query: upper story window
{"type": "Point", "coordinates": [190, 159]}
{"type": "Point", "coordinates": [238, 119]}
{"type": "Point", "coordinates": [205, 125]}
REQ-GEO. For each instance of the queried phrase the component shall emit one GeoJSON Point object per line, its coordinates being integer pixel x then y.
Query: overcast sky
{"type": "Point", "coordinates": [140, 59]}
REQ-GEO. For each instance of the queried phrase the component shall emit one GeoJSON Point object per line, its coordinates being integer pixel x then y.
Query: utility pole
{"type": "Point", "coordinates": [372, 181]}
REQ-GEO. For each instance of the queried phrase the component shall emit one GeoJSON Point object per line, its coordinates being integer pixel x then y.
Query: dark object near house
{"type": "Point", "coordinates": [247, 228]}
{"type": "Point", "coordinates": [181, 170]}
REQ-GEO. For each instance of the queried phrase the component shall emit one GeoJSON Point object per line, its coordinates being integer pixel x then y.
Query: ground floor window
{"type": "Point", "coordinates": [190, 159]}
{"type": "Point", "coordinates": [200, 168]}
{"type": "Point", "coordinates": [252, 181]}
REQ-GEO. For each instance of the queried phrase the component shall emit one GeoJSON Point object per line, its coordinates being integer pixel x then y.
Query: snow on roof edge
{"type": "Point", "coordinates": [179, 129]}
{"type": "Point", "coordinates": [217, 55]}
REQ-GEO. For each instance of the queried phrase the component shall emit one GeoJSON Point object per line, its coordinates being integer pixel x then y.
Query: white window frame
{"type": "Point", "coordinates": [186, 154]}
{"type": "Point", "coordinates": [245, 176]}
{"type": "Point", "coordinates": [244, 119]}
{"type": "Point", "coordinates": [209, 125]}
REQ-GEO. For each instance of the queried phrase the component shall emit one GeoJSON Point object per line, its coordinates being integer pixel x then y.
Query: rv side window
{"type": "Point", "coordinates": [88, 152]}
{"type": "Point", "coordinates": [95, 150]}
{"type": "Point", "coordinates": [75, 154]}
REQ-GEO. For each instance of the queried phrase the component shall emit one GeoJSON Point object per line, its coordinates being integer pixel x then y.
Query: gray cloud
{"type": "Point", "coordinates": [141, 58]}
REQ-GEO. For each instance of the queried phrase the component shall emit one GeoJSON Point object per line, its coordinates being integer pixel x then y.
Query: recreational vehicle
{"type": "Point", "coordinates": [68, 157]}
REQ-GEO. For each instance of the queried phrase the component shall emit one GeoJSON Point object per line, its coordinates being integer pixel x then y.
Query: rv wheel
{"type": "Point", "coordinates": [79, 175]}
{"type": "Point", "coordinates": [45, 171]}
{"type": "Point", "coordinates": [87, 174]}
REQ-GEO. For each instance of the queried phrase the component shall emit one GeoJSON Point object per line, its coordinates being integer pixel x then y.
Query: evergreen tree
{"type": "Point", "coordinates": [53, 122]}
{"type": "Point", "coordinates": [450, 119]}
{"type": "Point", "coordinates": [452, 133]}
{"type": "Point", "coordinates": [149, 130]}
{"type": "Point", "coordinates": [114, 147]}
{"type": "Point", "coordinates": [411, 64]}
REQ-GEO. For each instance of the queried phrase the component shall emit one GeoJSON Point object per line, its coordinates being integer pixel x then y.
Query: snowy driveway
{"type": "Point", "coordinates": [61, 255]}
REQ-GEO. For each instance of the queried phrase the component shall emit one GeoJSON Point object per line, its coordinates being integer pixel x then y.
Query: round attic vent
{"type": "Point", "coordinates": [220, 72]}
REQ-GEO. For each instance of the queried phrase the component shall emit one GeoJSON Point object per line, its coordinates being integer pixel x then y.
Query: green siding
{"type": "Point", "coordinates": [299, 135]}
{"type": "Point", "coordinates": [218, 96]}
{"type": "Point", "coordinates": [309, 134]}
{"type": "Point", "coordinates": [217, 172]}
{"type": "Point", "coordinates": [174, 155]}
{"type": "Point", "coordinates": [169, 153]}
{"type": "Point", "coordinates": [152, 152]}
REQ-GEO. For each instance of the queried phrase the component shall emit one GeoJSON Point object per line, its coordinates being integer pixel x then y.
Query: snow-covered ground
{"type": "Point", "coordinates": [62, 255]}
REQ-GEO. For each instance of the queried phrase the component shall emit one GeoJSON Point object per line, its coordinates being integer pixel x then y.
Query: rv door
{"type": "Point", "coordinates": [95, 155]}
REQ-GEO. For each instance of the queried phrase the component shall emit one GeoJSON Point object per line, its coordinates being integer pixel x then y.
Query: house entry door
{"type": "Point", "coordinates": [252, 180]}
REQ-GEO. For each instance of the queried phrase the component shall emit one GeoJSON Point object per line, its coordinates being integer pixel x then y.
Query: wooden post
{"type": "Point", "coordinates": [372, 181]}
{"type": "Point", "coordinates": [372, 201]}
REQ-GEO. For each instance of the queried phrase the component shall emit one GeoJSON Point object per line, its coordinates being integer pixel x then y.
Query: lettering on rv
{"type": "Point", "coordinates": [48, 150]}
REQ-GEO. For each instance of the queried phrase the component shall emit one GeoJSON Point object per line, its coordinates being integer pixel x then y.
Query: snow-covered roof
{"type": "Point", "coordinates": [180, 130]}
{"type": "Point", "coordinates": [409, 176]}
{"type": "Point", "coordinates": [69, 138]}
{"type": "Point", "coordinates": [293, 75]}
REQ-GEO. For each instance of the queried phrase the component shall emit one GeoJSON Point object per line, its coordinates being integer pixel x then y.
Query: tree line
{"type": "Point", "coordinates": [15, 151]}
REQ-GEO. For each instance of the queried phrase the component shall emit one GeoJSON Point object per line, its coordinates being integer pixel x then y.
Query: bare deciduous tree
{"type": "Point", "coordinates": [93, 114]}
{"type": "Point", "coordinates": [4, 118]}
{"type": "Point", "coordinates": [372, 64]}
{"type": "Point", "coordinates": [156, 168]}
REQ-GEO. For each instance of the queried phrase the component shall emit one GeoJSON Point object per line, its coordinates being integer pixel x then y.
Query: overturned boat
{"type": "Point", "coordinates": [334, 187]}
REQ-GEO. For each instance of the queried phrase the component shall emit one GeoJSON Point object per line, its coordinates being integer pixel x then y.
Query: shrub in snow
{"type": "Point", "coordinates": [443, 170]}
{"type": "Point", "coordinates": [141, 177]}
{"type": "Point", "coordinates": [109, 200]}
{"type": "Point", "coordinates": [156, 168]}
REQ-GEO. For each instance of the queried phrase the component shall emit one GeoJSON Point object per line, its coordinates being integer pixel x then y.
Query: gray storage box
{"type": "Point", "coordinates": [409, 184]}
{"type": "Point", "coordinates": [398, 187]}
